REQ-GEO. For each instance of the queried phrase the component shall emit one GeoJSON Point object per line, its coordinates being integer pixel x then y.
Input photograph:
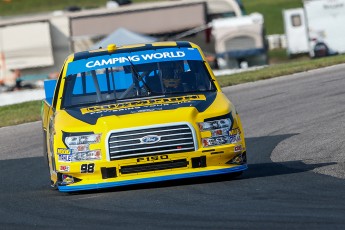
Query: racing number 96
{"type": "Point", "coordinates": [87, 168]}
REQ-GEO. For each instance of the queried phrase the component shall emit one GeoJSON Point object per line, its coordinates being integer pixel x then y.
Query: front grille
{"type": "Point", "coordinates": [154, 166]}
{"type": "Point", "coordinates": [129, 143]}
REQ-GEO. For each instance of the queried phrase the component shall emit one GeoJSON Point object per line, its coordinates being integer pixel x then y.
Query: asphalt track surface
{"type": "Point", "coordinates": [294, 130]}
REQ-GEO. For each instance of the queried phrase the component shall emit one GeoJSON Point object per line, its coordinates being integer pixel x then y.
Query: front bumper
{"type": "Point", "coordinates": [152, 167]}
{"type": "Point", "coordinates": [199, 173]}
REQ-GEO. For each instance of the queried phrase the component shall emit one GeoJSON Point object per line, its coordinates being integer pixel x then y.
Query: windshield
{"type": "Point", "coordinates": [103, 80]}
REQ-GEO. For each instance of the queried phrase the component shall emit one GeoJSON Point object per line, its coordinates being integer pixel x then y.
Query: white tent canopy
{"type": "Point", "coordinates": [123, 36]}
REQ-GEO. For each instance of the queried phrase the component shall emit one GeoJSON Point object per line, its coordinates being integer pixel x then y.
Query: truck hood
{"type": "Point", "coordinates": [91, 114]}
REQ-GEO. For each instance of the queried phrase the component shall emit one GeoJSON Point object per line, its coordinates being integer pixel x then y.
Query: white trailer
{"type": "Point", "coordinates": [27, 45]}
{"type": "Point", "coordinates": [240, 41]}
{"type": "Point", "coordinates": [324, 22]}
{"type": "Point", "coordinates": [295, 31]}
{"type": "Point", "coordinates": [325, 19]}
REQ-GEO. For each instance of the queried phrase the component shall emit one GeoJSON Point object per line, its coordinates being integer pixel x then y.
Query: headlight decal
{"type": "Point", "coordinates": [221, 130]}
{"type": "Point", "coordinates": [222, 124]}
{"type": "Point", "coordinates": [78, 147]}
{"type": "Point", "coordinates": [68, 134]}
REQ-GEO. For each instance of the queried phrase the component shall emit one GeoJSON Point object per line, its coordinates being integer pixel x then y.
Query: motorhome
{"type": "Point", "coordinates": [231, 38]}
{"type": "Point", "coordinates": [316, 28]}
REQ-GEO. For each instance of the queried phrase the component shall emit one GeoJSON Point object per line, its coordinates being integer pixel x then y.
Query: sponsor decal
{"type": "Point", "coordinates": [153, 158]}
{"type": "Point", "coordinates": [65, 158]}
{"type": "Point", "coordinates": [235, 131]}
{"type": "Point", "coordinates": [91, 116]}
{"type": "Point", "coordinates": [146, 110]}
{"type": "Point", "coordinates": [148, 102]}
{"type": "Point", "coordinates": [135, 58]}
{"type": "Point", "coordinates": [63, 151]}
{"type": "Point", "coordinates": [140, 57]}
{"type": "Point", "coordinates": [150, 139]}
{"type": "Point", "coordinates": [64, 168]}
{"type": "Point", "coordinates": [238, 148]}
{"type": "Point", "coordinates": [234, 138]}
{"type": "Point", "coordinates": [87, 168]}
{"type": "Point", "coordinates": [332, 5]}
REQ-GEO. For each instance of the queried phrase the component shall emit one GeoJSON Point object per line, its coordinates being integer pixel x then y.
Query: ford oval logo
{"type": "Point", "coordinates": [150, 139]}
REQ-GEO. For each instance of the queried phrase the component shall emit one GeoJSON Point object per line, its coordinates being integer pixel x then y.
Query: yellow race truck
{"type": "Point", "coordinates": [137, 114]}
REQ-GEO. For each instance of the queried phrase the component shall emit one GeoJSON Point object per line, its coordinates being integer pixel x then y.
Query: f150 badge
{"type": "Point", "coordinates": [150, 139]}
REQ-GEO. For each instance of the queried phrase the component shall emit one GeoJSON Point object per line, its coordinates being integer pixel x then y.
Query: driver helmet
{"type": "Point", "coordinates": [171, 73]}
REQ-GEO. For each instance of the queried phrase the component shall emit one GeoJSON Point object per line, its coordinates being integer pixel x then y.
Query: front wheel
{"type": "Point", "coordinates": [235, 174]}
{"type": "Point", "coordinates": [53, 185]}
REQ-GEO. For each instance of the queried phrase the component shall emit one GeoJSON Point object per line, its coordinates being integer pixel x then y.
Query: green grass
{"type": "Point", "coordinates": [18, 7]}
{"type": "Point", "coordinates": [20, 113]}
{"type": "Point", "coordinates": [278, 56]}
{"type": "Point", "coordinates": [272, 11]}
{"type": "Point", "coordinates": [280, 70]}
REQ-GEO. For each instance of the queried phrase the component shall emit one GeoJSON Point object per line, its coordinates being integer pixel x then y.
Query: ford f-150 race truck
{"type": "Point", "coordinates": [137, 114]}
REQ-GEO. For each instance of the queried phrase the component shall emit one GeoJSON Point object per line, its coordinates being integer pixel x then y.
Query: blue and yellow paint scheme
{"type": "Point", "coordinates": [100, 134]}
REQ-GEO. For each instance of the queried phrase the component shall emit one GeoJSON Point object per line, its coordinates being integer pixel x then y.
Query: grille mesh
{"type": "Point", "coordinates": [173, 139]}
{"type": "Point", "coordinates": [154, 166]}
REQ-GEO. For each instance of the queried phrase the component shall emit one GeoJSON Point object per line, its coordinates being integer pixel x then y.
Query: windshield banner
{"type": "Point", "coordinates": [141, 57]}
